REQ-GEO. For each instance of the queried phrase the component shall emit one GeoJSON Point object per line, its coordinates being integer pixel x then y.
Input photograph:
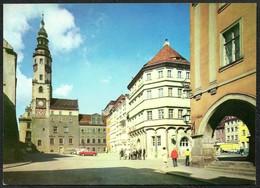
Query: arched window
{"type": "Point", "coordinates": [184, 142]}
{"type": "Point", "coordinates": [40, 89]}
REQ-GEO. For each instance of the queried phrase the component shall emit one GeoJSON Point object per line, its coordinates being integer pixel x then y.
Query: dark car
{"type": "Point", "coordinates": [85, 153]}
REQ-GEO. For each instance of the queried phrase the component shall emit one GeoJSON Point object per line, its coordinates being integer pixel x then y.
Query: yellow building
{"type": "Point", "coordinates": [223, 72]}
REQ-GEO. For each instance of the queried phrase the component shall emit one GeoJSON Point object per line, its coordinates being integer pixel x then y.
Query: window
{"type": "Point", "coordinates": [179, 74]}
{"type": "Point", "coordinates": [66, 129]}
{"type": "Point", "coordinates": [39, 142]}
{"type": "Point", "coordinates": [61, 141]}
{"type": "Point", "coordinates": [243, 133]}
{"type": "Point", "coordinates": [55, 129]}
{"type": "Point", "coordinates": [93, 149]}
{"type": "Point", "coordinates": [70, 141]}
{"type": "Point", "coordinates": [169, 73]}
{"type": "Point", "coordinates": [82, 141]}
{"type": "Point", "coordinates": [159, 142]}
{"type": "Point", "coordinates": [41, 77]}
{"type": "Point", "coordinates": [161, 113]}
{"type": "Point", "coordinates": [149, 115]}
{"type": "Point", "coordinates": [170, 113]}
{"type": "Point", "coordinates": [179, 93]}
{"type": "Point", "coordinates": [104, 130]}
{"type": "Point", "coordinates": [28, 125]}
{"type": "Point", "coordinates": [153, 139]}
{"type": "Point", "coordinates": [236, 137]}
{"type": "Point", "coordinates": [170, 91]}
{"type": "Point", "coordinates": [187, 75]}
{"type": "Point", "coordinates": [149, 94]}
{"type": "Point", "coordinates": [179, 114]}
{"type": "Point", "coordinates": [148, 76]}
{"type": "Point", "coordinates": [160, 74]}
{"type": "Point", "coordinates": [88, 140]}
{"type": "Point", "coordinates": [98, 130]}
{"type": "Point", "coordinates": [160, 92]}
{"type": "Point", "coordinates": [99, 141]}
{"type": "Point", "coordinates": [104, 141]}
{"type": "Point", "coordinates": [184, 142]}
{"type": "Point", "coordinates": [231, 44]}
{"type": "Point", "coordinates": [93, 140]}
{"type": "Point", "coordinates": [41, 61]}
{"type": "Point", "coordinates": [94, 130]}
{"type": "Point", "coordinates": [228, 138]}
{"type": "Point", "coordinates": [40, 89]}
{"type": "Point", "coordinates": [228, 130]}
{"type": "Point", "coordinates": [51, 141]}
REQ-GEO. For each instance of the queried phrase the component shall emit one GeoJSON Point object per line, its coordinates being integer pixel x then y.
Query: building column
{"type": "Point", "coordinates": [196, 52]}
{"type": "Point", "coordinates": [167, 145]}
{"type": "Point", "coordinates": [212, 43]}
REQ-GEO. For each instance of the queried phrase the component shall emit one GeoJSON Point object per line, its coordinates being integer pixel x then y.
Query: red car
{"type": "Point", "coordinates": [85, 152]}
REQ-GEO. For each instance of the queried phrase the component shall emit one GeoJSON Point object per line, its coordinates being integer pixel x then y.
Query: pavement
{"type": "Point", "coordinates": [201, 174]}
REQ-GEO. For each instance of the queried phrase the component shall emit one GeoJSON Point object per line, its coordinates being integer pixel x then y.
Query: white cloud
{"type": "Point", "coordinates": [63, 34]}
{"type": "Point", "coordinates": [106, 80]}
{"type": "Point", "coordinates": [63, 90]}
{"type": "Point", "coordinates": [24, 89]}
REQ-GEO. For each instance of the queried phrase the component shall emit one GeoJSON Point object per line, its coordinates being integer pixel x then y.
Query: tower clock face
{"type": "Point", "coordinates": [40, 103]}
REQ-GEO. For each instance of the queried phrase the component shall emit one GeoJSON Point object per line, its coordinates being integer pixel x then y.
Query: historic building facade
{"type": "Point", "coordinates": [10, 128]}
{"type": "Point", "coordinates": [158, 99]}
{"type": "Point", "coordinates": [49, 124]}
{"type": "Point", "coordinates": [118, 127]}
{"type": "Point", "coordinates": [223, 72]}
{"type": "Point", "coordinates": [107, 113]}
{"type": "Point", "coordinates": [92, 132]}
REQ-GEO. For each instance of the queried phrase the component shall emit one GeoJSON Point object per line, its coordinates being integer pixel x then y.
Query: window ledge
{"type": "Point", "coordinates": [221, 69]}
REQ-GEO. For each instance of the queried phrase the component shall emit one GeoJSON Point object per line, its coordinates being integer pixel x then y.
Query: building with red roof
{"type": "Point", "coordinates": [158, 98]}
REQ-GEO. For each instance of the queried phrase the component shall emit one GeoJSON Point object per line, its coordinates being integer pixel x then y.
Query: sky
{"type": "Point", "coordinates": [96, 48]}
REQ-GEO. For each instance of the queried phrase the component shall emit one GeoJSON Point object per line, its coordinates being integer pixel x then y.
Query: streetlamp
{"type": "Point", "coordinates": [186, 118]}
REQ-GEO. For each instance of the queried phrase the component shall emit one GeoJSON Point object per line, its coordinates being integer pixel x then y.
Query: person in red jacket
{"type": "Point", "coordinates": [174, 155]}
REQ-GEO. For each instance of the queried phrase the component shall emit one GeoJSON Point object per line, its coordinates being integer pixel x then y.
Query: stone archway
{"type": "Point", "coordinates": [238, 105]}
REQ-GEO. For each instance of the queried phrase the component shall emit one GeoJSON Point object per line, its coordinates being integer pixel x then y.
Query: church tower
{"type": "Point", "coordinates": [41, 84]}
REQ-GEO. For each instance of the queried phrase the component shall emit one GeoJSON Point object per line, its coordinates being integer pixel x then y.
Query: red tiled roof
{"type": "Point", "coordinates": [167, 54]}
{"type": "Point", "coordinates": [85, 119]}
{"type": "Point", "coordinates": [64, 104]}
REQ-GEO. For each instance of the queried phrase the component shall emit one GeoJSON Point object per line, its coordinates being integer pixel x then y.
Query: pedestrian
{"type": "Point", "coordinates": [241, 151]}
{"type": "Point", "coordinates": [143, 153]}
{"type": "Point", "coordinates": [130, 154]}
{"type": "Point", "coordinates": [174, 155]}
{"type": "Point", "coordinates": [187, 161]}
{"type": "Point", "coordinates": [164, 157]}
{"type": "Point", "coordinates": [140, 154]}
{"type": "Point", "coordinates": [121, 153]}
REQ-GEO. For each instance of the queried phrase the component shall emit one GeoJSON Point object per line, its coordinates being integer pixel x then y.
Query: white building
{"type": "Point", "coordinates": [118, 130]}
{"type": "Point", "coordinates": [158, 99]}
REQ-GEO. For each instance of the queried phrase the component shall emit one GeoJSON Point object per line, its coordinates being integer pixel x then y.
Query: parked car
{"type": "Point", "coordinates": [86, 152]}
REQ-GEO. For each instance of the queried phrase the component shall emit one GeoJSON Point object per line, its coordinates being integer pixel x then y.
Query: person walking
{"type": "Point", "coordinates": [143, 153]}
{"type": "Point", "coordinates": [140, 154]}
{"type": "Point", "coordinates": [164, 158]}
{"type": "Point", "coordinates": [174, 155]}
{"type": "Point", "coordinates": [121, 153]}
{"type": "Point", "coordinates": [187, 161]}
